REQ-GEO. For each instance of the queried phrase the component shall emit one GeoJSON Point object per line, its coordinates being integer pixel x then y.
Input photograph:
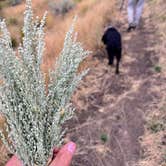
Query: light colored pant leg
{"type": "Point", "coordinates": [138, 12]}
{"type": "Point", "coordinates": [131, 10]}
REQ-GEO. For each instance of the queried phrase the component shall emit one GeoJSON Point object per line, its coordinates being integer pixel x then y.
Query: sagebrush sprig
{"type": "Point", "coordinates": [34, 117]}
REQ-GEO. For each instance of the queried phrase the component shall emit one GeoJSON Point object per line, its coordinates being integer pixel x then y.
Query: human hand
{"type": "Point", "coordinates": [63, 156]}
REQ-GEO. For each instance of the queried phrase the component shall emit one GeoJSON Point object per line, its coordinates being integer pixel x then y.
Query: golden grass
{"type": "Point", "coordinates": [89, 27]}
{"type": "Point", "coordinates": [3, 150]}
{"type": "Point", "coordinates": [92, 15]}
{"type": "Point", "coordinates": [3, 156]}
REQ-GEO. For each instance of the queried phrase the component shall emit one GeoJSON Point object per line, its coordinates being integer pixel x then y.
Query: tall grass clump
{"type": "Point", "coordinates": [35, 116]}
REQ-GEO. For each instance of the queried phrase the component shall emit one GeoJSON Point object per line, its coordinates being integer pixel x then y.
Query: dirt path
{"type": "Point", "coordinates": [111, 109]}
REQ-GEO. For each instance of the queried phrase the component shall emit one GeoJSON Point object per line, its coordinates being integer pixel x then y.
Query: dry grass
{"type": "Point", "coordinates": [4, 154]}
{"type": "Point", "coordinates": [155, 153]}
{"type": "Point", "coordinates": [89, 27]}
{"type": "Point", "coordinates": [92, 15]}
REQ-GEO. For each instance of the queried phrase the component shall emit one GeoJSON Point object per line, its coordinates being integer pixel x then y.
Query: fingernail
{"type": "Point", "coordinates": [71, 147]}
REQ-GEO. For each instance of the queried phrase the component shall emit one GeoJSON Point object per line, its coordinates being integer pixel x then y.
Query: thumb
{"type": "Point", "coordinates": [65, 155]}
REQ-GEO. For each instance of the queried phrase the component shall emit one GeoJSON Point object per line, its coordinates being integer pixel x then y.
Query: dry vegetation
{"type": "Point", "coordinates": [89, 27]}
{"type": "Point", "coordinates": [154, 140]}
{"type": "Point", "coordinates": [92, 15]}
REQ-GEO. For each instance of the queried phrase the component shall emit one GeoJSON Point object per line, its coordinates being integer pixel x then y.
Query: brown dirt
{"type": "Point", "coordinates": [115, 106]}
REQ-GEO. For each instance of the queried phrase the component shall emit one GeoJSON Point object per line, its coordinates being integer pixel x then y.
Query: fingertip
{"type": "Point", "coordinates": [64, 156]}
{"type": "Point", "coordinates": [71, 147]}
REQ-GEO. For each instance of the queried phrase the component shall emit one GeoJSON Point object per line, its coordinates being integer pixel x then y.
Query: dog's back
{"type": "Point", "coordinates": [112, 40]}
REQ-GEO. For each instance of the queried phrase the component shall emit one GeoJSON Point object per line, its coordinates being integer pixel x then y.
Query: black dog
{"type": "Point", "coordinates": [112, 40]}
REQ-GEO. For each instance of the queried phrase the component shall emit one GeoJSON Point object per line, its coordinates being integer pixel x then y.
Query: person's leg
{"type": "Point", "coordinates": [131, 10]}
{"type": "Point", "coordinates": [138, 12]}
{"type": "Point", "coordinates": [131, 14]}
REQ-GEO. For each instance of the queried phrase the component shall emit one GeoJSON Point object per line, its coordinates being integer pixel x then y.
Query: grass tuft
{"type": "Point", "coordinates": [158, 69]}
{"type": "Point", "coordinates": [104, 137]}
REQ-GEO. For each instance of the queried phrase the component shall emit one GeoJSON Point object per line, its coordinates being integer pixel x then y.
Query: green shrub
{"type": "Point", "coordinates": [158, 69]}
{"type": "Point", "coordinates": [156, 126]}
{"type": "Point", "coordinates": [104, 137]}
{"type": "Point", "coordinates": [61, 7]}
{"type": "Point", "coordinates": [15, 2]}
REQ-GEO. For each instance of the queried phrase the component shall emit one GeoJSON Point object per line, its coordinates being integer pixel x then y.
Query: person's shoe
{"type": "Point", "coordinates": [131, 27]}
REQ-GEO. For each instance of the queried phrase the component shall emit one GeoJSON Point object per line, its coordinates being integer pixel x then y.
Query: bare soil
{"type": "Point", "coordinates": [111, 109]}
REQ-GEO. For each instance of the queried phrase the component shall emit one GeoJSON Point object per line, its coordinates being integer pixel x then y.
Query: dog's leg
{"type": "Point", "coordinates": [111, 60]}
{"type": "Point", "coordinates": [110, 56]}
{"type": "Point", "coordinates": [118, 59]}
{"type": "Point", "coordinates": [117, 66]}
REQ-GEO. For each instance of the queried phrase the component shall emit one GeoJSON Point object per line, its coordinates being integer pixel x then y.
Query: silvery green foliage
{"type": "Point", "coordinates": [34, 116]}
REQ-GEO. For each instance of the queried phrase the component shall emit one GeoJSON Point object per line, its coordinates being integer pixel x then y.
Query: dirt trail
{"type": "Point", "coordinates": [113, 107]}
